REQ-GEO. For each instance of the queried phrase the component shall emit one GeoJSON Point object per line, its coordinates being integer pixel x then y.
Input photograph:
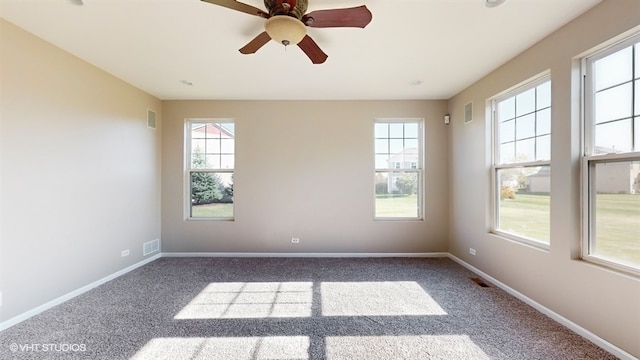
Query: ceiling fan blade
{"type": "Point", "coordinates": [312, 50]}
{"type": "Point", "coordinates": [255, 44]}
{"type": "Point", "coordinates": [358, 16]}
{"type": "Point", "coordinates": [242, 7]}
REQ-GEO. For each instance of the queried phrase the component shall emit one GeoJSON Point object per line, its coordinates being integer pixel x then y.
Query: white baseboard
{"type": "Point", "coordinates": [616, 351]}
{"type": "Point", "coordinates": [59, 300]}
{"type": "Point", "coordinates": [303, 255]}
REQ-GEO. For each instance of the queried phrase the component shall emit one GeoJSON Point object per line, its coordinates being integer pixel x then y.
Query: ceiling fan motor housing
{"type": "Point", "coordinates": [294, 8]}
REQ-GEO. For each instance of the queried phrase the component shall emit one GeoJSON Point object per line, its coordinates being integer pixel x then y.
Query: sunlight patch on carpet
{"type": "Point", "coordinates": [237, 300]}
{"type": "Point", "coordinates": [384, 298]}
{"type": "Point", "coordinates": [410, 347]}
{"type": "Point", "coordinates": [255, 348]}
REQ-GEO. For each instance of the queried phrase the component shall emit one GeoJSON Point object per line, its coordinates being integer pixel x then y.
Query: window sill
{"type": "Point", "coordinates": [535, 244]}
{"type": "Point", "coordinates": [612, 266]}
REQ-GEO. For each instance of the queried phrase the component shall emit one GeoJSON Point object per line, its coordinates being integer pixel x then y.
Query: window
{"type": "Point", "coordinates": [210, 162]}
{"type": "Point", "coordinates": [611, 161]}
{"type": "Point", "coordinates": [398, 169]}
{"type": "Point", "coordinates": [522, 162]}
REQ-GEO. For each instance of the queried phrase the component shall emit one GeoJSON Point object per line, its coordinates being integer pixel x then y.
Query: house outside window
{"type": "Point", "coordinates": [521, 171]}
{"type": "Point", "coordinates": [210, 161]}
{"type": "Point", "coordinates": [398, 169]}
{"type": "Point", "coordinates": [611, 157]}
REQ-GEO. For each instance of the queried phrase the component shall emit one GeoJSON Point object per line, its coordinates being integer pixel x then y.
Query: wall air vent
{"type": "Point", "coordinates": [151, 119]}
{"type": "Point", "coordinates": [150, 247]}
{"type": "Point", "coordinates": [468, 112]}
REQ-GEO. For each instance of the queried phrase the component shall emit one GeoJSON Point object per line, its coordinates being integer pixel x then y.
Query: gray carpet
{"type": "Point", "coordinates": [275, 308]}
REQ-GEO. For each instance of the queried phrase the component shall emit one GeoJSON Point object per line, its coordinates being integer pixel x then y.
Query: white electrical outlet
{"type": "Point", "coordinates": [0, 298]}
{"type": "Point", "coordinates": [125, 253]}
{"type": "Point", "coordinates": [472, 251]}
{"type": "Point", "coordinates": [295, 240]}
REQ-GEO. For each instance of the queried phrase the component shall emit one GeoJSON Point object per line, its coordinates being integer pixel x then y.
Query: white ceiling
{"type": "Point", "coordinates": [444, 45]}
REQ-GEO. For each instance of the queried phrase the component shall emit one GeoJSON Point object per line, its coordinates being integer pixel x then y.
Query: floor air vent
{"type": "Point", "coordinates": [479, 281]}
{"type": "Point", "coordinates": [150, 247]}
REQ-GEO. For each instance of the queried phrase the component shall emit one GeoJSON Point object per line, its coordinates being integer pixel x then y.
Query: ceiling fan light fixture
{"type": "Point", "coordinates": [285, 29]}
{"type": "Point", "coordinates": [493, 3]}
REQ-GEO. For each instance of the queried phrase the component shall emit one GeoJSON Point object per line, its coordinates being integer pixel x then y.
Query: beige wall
{"type": "Point", "coordinates": [602, 301]}
{"type": "Point", "coordinates": [304, 169]}
{"type": "Point", "coordinates": [80, 172]}
{"type": "Point", "coordinates": [80, 179]}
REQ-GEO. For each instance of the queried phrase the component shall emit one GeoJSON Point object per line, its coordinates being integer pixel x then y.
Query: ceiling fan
{"type": "Point", "coordinates": [286, 22]}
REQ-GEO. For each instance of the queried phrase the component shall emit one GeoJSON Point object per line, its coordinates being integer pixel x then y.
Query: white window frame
{"type": "Point", "coordinates": [495, 160]}
{"type": "Point", "coordinates": [589, 157]}
{"type": "Point", "coordinates": [418, 170]}
{"type": "Point", "coordinates": [188, 170]}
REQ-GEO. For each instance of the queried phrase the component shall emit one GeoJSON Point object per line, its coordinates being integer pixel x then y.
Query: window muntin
{"type": "Point", "coordinates": [211, 162]}
{"type": "Point", "coordinates": [611, 161]}
{"type": "Point", "coordinates": [398, 169]}
{"type": "Point", "coordinates": [522, 163]}
{"type": "Point", "coordinates": [524, 125]}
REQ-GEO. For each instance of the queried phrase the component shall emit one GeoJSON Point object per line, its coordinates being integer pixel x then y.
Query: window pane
{"type": "Point", "coordinates": [411, 144]}
{"type": "Point", "coordinates": [228, 130]}
{"type": "Point", "coordinates": [198, 131]}
{"type": "Point", "coordinates": [396, 130]}
{"type": "Point", "coordinates": [396, 146]}
{"type": "Point", "coordinates": [636, 105]}
{"type": "Point", "coordinates": [613, 137]}
{"type": "Point", "coordinates": [227, 161]}
{"type": "Point", "coordinates": [526, 126]}
{"type": "Point", "coordinates": [613, 104]}
{"type": "Point", "coordinates": [507, 153]}
{"type": "Point", "coordinates": [404, 159]}
{"type": "Point", "coordinates": [212, 131]}
{"type": "Point", "coordinates": [613, 69]}
{"type": "Point", "coordinates": [507, 131]}
{"type": "Point", "coordinates": [382, 146]}
{"type": "Point", "coordinates": [526, 102]}
{"type": "Point", "coordinates": [637, 66]}
{"type": "Point", "coordinates": [211, 195]}
{"type": "Point", "coordinates": [507, 109]}
{"type": "Point", "coordinates": [381, 130]}
{"type": "Point", "coordinates": [543, 122]}
{"type": "Point", "coordinates": [543, 148]}
{"type": "Point", "coordinates": [382, 161]}
{"type": "Point", "coordinates": [525, 150]}
{"type": "Point", "coordinates": [617, 212]}
{"type": "Point", "coordinates": [227, 146]}
{"type": "Point", "coordinates": [198, 159]}
{"type": "Point", "coordinates": [411, 130]}
{"type": "Point", "coordinates": [543, 95]}
{"type": "Point", "coordinates": [212, 146]}
{"type": "Point", "coordinates": [197, 145]}
{"type": "Point", "coordinates": [397, 194]}
{"type": "Point", "coordinates": [524, 205]}
{"type": "Point", "coordinates": [637, 133]}
{"type": "Point", "coordinates": [212, 161]}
